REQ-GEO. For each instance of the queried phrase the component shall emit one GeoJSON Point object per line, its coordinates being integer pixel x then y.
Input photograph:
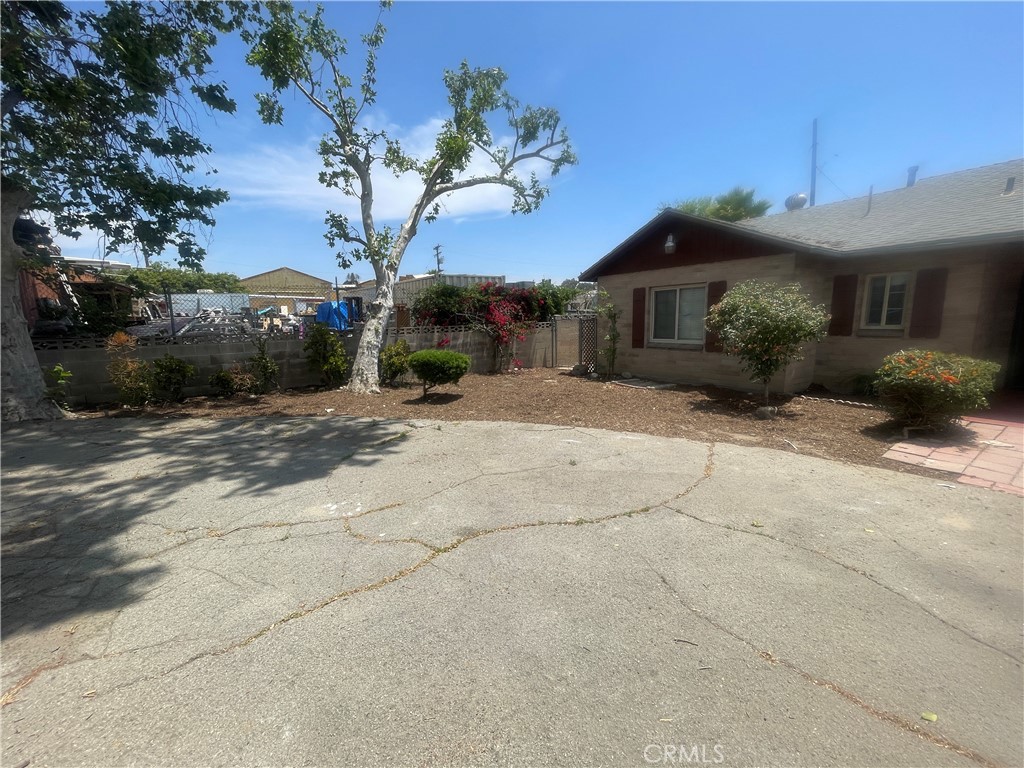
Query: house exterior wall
{"type": "Point", "coordinates": [694, 364]}
{"type": "Point", "coordinates": [977, 313]}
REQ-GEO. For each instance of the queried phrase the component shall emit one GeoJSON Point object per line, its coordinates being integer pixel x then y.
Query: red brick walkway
{"type": "Point", "coordinates": [994, 459]}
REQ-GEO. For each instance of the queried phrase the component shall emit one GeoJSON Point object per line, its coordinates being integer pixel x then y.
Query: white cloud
{"type": "Point", "coordinates": [277, 176]}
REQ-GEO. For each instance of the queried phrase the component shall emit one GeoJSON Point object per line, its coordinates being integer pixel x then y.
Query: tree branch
{"type": "Point", "coordinates": [327, 111]}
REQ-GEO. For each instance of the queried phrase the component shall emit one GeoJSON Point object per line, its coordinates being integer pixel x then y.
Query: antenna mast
{"type": "Point", "coordinates": [814, 159]}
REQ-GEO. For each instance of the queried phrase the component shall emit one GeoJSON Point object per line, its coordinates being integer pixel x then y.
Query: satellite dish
{"type": "Point", "coordinates": [796, 202]}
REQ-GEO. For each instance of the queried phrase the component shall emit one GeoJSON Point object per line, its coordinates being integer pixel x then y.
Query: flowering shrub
{"type": "Point", "coordinates": [438, 366]}
{"type": "Point", "coordinates": [505, 313]}
{"type": "Point", "coordinates": [765, 325]}
{"type": "Point", "coordinates": [921, 388]}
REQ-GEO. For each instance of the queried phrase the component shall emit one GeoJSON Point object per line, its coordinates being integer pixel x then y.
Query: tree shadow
{"type": "Point", "coordinates": [434, 398]}
{"type": "Point", "coordinates": [727, 402]}
{"type": "Point", "coordinates": [76, 494]}
{"type": "Point", "coordinates": [892, 431]}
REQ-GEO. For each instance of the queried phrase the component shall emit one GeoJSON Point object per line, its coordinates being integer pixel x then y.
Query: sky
{"type": "Point", "coordinates": [663, 101]}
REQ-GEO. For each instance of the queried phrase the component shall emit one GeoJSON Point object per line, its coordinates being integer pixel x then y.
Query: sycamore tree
{"type": "Point", "coordinates": [299, 51]}
{"type": "Point", "coordinates": [97, 114]}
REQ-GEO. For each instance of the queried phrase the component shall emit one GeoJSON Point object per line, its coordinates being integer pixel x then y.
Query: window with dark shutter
{"type": "Point", "coordinates": [929, 301]}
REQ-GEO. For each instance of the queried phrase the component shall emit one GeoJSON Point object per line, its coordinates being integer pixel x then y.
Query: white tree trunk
{"type": "Point", "coordinates": [365, 372]}
{"type": "Point", "coordinates": [22, 389]}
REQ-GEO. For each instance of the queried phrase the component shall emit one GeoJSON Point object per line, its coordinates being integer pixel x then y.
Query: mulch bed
{"type": "Point", "coordinates": [814, 427]}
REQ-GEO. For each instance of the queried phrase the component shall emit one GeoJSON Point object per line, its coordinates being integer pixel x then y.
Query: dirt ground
{"type": "Point", "coordinates": [815, 427]}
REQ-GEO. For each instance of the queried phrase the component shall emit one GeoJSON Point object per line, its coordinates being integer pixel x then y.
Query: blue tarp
{"type": "Point", "coordinates": [334, 314]}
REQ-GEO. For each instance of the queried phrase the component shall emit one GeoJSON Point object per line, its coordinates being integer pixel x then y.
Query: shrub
{"type": "Point", "coordinates": [611, 314]}
{"type": "Point", "coordinates": [394, 361]}
{"type": "Point", "coordinates": [171, 374]}
{"type": "Point", "coordinates": [438, 366]}
{"type": "Point", "coordinates": [325, 354]}
{"type": "Point", "coordinates": [921, 388]}
{"type": "Point", "coordinates": [237, 379]}
{"type": "Point", "coordinates": [263, 369]}
{"type": "Point", "coordinates": [57, 378]}
{"type": "Point", "coordinates": [764, 325]}
{"type": "Point", "coordinates": [132, 377]}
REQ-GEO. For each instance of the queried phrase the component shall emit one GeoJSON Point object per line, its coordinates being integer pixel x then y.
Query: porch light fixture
{"type": "Point", "coordinates": [670, 244]}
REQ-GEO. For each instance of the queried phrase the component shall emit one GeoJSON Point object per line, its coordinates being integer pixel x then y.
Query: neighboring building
{"type": "Point", "coordinates": [409, 287]}
{"type": "Point", "coordinates": [51, 297]}
{"type": "Point", "coordinates": [937, 264]}
{"type": "Point", "coordinates": [297, 292]}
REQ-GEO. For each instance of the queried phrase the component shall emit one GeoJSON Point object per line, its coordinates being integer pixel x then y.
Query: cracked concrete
{"type": "Point", "coordinates": [352, 592]}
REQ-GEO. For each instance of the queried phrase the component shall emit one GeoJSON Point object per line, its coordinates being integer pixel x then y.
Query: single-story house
{"type": "Point", "coordinates": [938, 264]}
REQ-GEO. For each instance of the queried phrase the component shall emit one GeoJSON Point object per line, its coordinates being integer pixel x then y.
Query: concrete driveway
{"type": "Point", "coordinates": [346, 592]}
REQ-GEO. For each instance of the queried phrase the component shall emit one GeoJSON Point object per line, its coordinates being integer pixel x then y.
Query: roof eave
{"type": "Point", "coordinates": [594, 271]}
{"type": "Point", "coordinates": [999, 238]}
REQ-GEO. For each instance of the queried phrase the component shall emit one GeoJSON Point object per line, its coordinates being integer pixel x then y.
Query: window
{"type": "Point", "coordinates": [885, 297]}
{"type": "Point", "coordinates": [677, 314]}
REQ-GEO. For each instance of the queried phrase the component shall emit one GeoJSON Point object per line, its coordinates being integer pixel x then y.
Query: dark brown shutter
{"type": "Point", "coordinates": [844, 305]}
{"type": "Point", "coordinates": [716, 291]}
{"type": "Point", "coordinates": [639, 317]}
{"type": "Point", "coordinates": [929, 300]}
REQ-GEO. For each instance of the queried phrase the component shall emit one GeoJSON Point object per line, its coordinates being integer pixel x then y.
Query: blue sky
{"type": "Point", "coordinates": [663, 101]}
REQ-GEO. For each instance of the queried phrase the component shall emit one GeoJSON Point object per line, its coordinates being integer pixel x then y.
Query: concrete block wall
{"type": "Point", "coordinates": [90, 384]}
{"type": "Point", "coordinates": [536, 351]}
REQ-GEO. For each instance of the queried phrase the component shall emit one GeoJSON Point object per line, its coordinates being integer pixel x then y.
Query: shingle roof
{"type": "Point", "coordinates": [966, 206]}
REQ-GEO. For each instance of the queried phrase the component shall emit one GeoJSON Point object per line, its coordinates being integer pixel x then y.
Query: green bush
{"type": "Point", "coordinates": [58, 378]}
{"type": "Point", "coordinates": [394, 361]}
{"type": "Point", "coordinates": [765, 325]}
{"type": "Point", "coordinates": [263, 369]}
{"type": "Point", "coordinates": [438, 366]}
{"type": "Point", "coordinates": [325, 354]}
{"type": "Point", "coordinates": [171, 375]}
{"type": "Point", "coordinates": [922, 388]}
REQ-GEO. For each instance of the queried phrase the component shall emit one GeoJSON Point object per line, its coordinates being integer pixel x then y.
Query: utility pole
{"type": "Point", "coordinates": [814, 160]}
{"type": "Point", "coordinates": [438, 257]}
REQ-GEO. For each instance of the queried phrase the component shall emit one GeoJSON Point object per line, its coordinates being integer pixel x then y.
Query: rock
{"type": "Point", "coordinates": [593, 377]}
{"type": "Point", "coordinates": [626, 375]}
{"type": "Point", "coordinates": [766, 412]}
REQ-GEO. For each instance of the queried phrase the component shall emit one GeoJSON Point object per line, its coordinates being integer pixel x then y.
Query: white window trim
{"type": "Point", "coordinates": [650, 314]}
{"type": "Point", "coordinates": [864, 309]}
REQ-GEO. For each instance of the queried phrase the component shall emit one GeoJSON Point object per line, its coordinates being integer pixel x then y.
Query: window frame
{"type": "Point", "coordinates": [865, 300]}
{"type": "Point", "coordinates": [652, 307]}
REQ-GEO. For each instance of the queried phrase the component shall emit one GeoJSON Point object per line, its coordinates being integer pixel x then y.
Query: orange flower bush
{"type": "Point", "coordinates": [922, 388]}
